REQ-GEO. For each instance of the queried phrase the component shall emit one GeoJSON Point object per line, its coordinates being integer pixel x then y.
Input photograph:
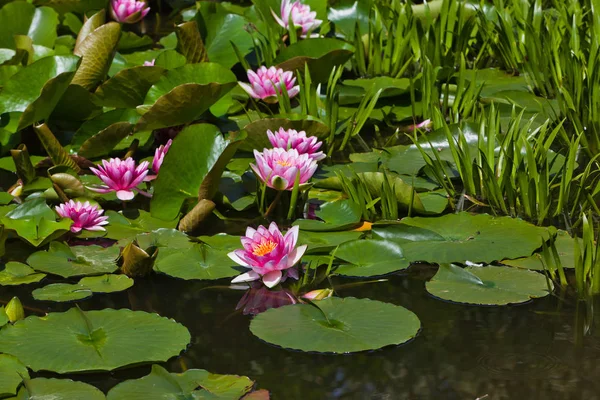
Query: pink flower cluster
{"type": "Point", "coordinates": [84, 216]}
{"type": "Point", "coordinates": [292, 139]}
{"type": "Point", "coordinates": [267, 252]}
{"type": "Point", "coordinates": [265, 84]}
{"type": "Point", "coordinates": [128, 11]}
{"type": "Point", "coordinates": [278, 168]}
{"type": "Point", "coordinates": [300, 14]}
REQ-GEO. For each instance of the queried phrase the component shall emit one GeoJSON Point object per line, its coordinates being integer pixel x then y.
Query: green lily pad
{"type": "Point", "coordinates": [109, 283]}
{"type": "Point", "coordinates": [3, 317]}
{"type": "Point", "coordinates": [38, 232]}
{"type": "Point", "coordinates": [171, 238]}
{"type": "Point", "coordinates": [320, 242]}
{"type": "Point", "coordinates": [463, 237]}
{"type": "Point", "coordinates": [565, 246]}
{"type": "Point", "coordinates": [93, 340]}
{"type": "Point", "coordinates": [192, 384]}
{"type": "Point", "coordinates": [199, 262]}
{"type": "Point", "coordinates": [337, 326]}
{"type": "Point", "coordinates": [129, 223]}
{"type": "Point", "coordinates": [16, 273]}
{"type": "Point", "coordinates": [336, 216]}
{"type": "Point", "coordinates": [222, 241]}
{"type": "Point", "coordinates": [62, 292]}
{"type": "Point", "coordinates": [487, 285]}
{"type": "Point", "coordinates": [58, 389]}
{"type": "Point", "coordinates": [370, 258]}
{"type": "Point", "coordinates": [12, 373]}
{"type": "Point", "coordinates": [67, 262]}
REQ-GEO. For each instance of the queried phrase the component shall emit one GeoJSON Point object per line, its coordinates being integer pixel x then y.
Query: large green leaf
{"type": "Point", "coordinates": [463, 237]}
{"type": "Point", "coordinates": [336, 216]}
{"type": "Point", "coordinates": [565, 247]}
{"type": "Point", "coordinates": [189, 43]}
{"type": "Point", "coordinates": [370, 258]}
{"type": "Point", "coordinates": [336, 325]}
{"type": "Point", "coordinates": [12, 373]}
{"type": "Point", "coordinates": [319, 242]}
{"type": "Point", "coordinates": [75, 6]}
{"type": "Point", "coordinates": [61, 292]}
{"type": "Point", "coordinates": [257, 130]}
{"type": "Point", "coordinates": [321, 55]}
{"type": "Point", "coordinates": [183, 94]}
{"type": "Point", "coordinates": [192, 384]}
{"type": "Point", "coordinates": [193, 154]}
{"type": "Point", "coordinates": [487, 285]}
{"type": "Point", "coordinates": [66, 261]}
{"type": "Point", "coordinates": [58, 389]}
{"type": "Point", "coordinates": [128, 223]}
{"type": "Point", "coordinates": [22, 18]}
{"type": "Point", "coordinates": [16, 273]}
{"type": "Point", "coordinates": [109, 283]}
{"type": "Point", "coordinates": [347, 14]}
{"type": "Point", "coordinates": [128, 88]}
{"type": "Point", "coordinates": [109, 121]}
{"type": "Point", "coordinates": [93, 340]}
{"type": "Point", "coordinates": [36, 231]}
{"type": "Point", "coordinates": [198, 262]}
{"type": "Point", "coordinates": [171, 238]}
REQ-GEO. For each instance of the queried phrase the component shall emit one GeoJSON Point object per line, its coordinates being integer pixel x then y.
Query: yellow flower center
{"type": "Point", "coordinates": [284, 163]}
{"type": "Point", "coordinates": [264, 248]}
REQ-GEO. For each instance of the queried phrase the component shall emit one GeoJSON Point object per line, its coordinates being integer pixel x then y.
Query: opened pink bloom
{"type": "Point", "coordinates": [149, 63]}
{"type": "Point", "coordinates": [265, 83]}
{"type": "Point", "coordinates": [300, 14]}
{"type": "Point", "coordinates": [121, 176]}
{"type": "Point", "coordinates": [292, 139]}
{"type": "Point", "coordinates": [278, 167]}
{"type": "Point", "coordinates": [268, 254]}
{"type": "Point", "coordinates": [84, 216]}
{"type": "Point", "coordinates": [128, 11]}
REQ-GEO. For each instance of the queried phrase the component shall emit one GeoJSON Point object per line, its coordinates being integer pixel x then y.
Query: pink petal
{"type": "Point", "coordinates": [272, 278]}
{"type": "Point", "coordinates": [246, 277]}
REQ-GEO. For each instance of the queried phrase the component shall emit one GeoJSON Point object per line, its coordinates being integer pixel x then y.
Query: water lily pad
{"type": "Point", "coordinates": [129, 223]}
{"type": "Point", "coordinates": [192, 384]}
{"type": "Point", "coordinates": [58, 389]}
{"type": "Point", "coordinates": [66, 261]}
{"type": "Point", "coordinates": [93, 340]}
{"type": "Point", "coordinates": [463, 237]}
{"type": "Point", "coordinates": [199, 262]}
{"type": "Point", "coordinates": [565, 246]}
{"type": "Point", "coordinates": [325, 241]}
{"type": "Point", "coordinates": [171, 238]}
{"type": "Point", "coordinates": [109, 283]}
{"type": "Point", "coordinates": [337, 325]}
{"type": "Point", "coordinates": [487, 285]}
{"type": "Point", "coordinates": [370, 258]}
{"type": "Point", "coordinates": [336, 216]}
{"type": "Point", "coordinates": [3, 317]}
{"type": "Point", "coordinates": [61, 292]}
{"type": "Point", "coordinates": [12, 373]}
{"type": "Point", "coordinates": [16, 273]}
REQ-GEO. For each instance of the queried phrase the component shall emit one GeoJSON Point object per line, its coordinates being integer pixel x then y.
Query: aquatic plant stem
{"type": "Point", "coordinates": [273, 204]}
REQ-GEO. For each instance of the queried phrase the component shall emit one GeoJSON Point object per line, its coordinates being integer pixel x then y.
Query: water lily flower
{"type": "Point", "coordinates": [128, 11]}
{"type": "Point", "coordinates": [267, 252]}
{"type": "Point", "coordinates": [278, 167]}
{"type": "Point", "coordinates": [426, 125]}
{"type": "Point", "coordinates": [84, 215]}
{"type": "Point", "coordinates": [292, 139]}
{"type": "Point", "coordinates": [265, 83]}
{"type": "Point", "coordinates": [121, 176]}
{"type": "Point", "coordinates": [319, 294]}
{"type": "Point", "coordinates": [159, 155]}
{"type": "Point", "coordinates": [300, 14]}
{"type": "Point", "coordinates": [149, 63]}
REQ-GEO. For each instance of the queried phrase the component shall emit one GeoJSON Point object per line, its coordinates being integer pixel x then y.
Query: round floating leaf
{"type": "Point", "coordinates": [12, 373]}
{"type": "Point", "coordinates": [16, 273]}
{"type": "Point", "coordinates": [3, 317]}
{"type": "Point", "coordinates": [58, 389]}
{"type": "Point", "coordinates": [62, 292]}
{"type": "Point", "coordinates": [199, 262]}
{"type": "Point", "coordinates": [107, 283]}
{"type": "Point", "coordinates": [336, 216]}
{"type": "Point", "coordinates": [171, 238]}
{"type": "Point", "coordinates": [66, 261]}
{"type": "Point", "coordinates": [565, 246]}
{"type": "Point", "coordinates": [336, 325]}
{"type": "Point", "coordinates": [93, 340]}
{"type": "Point", "coordinates": [128, 223]}
{"type": "Point", "coordinates": [192, 384]}
{"type": "Point", "coordinates": [463, 237]}
{"type": "Point", "coordinates": [324, 241]}
{"type": "Point", "coordinates": [370, 258]}
{"type": "Point", "coordinates": [487, 285]}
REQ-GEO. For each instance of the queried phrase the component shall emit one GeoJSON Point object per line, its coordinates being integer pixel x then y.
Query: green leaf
{"type": "Point", "coordinates": [128, 87]}
{"type": "Point", "coordinates": [171, 238]}
{"type": "Point", "coordinates": [129, 223]}
{"type": "Point", "coordinates": [104, 141]}
{"type": "Point", "coordinates": [16, 273]}
{"type": "Point", "coordinates": [90, 25]}
{"type": "Point", "coordinates": [336, 325]}
{"type": "Point", "coordinates": [109, 121]}
{"type": "Point", "coordinates": [22, 18]}
{"type": "Point", "coordinates": [97, 51]}
{"type": "Point", "coordinates": [198, 262]}
{"type": "Point", "coordinates": [192, 384]}
{"type": "Point", "coordinates": [565, 246]}
{"type": "Point", "coordinates": [193, 154]}
{"type": "Point", "coordinates": [58, 389]}
{"type": "Point", "coordinates": [57, 153]}
{"type": "Point", "coordinates": [107, 283]}
{"type": "Point", "coordinates": [487, 285]}
{"type": "Point", "coordinates": [190, 44]}
{"type": "Point", "coordinates": [37, 232]}
{"type": "Point", "coordinates": [322, 242]}
{"type": "Point", "coordinates": [61, 292]}
{"type": "Point", "coordinates": [336, 216]}
{"type": "Point", "coordinates": [66, 261]}
{"type": "Point", "coordinates": [463, 237]}
{"type": "Point", "coordinates": [12, 373]}
{"type": "Point", "coordinates": [370, 258]}
{"type": "Point", "coordinates": [93, 340]}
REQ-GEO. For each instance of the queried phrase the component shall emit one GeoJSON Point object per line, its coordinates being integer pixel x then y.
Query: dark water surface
{"type": "Point", "coordinates": [531, 351]}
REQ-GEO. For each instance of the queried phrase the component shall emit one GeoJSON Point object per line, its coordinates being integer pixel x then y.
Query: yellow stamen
{"type": "Point", "coordinates": [264, 248]}
{"type": "Point", "coordinates": [284, 163]}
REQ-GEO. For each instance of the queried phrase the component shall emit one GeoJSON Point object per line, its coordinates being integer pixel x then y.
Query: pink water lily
{"type": "Point", "coordinates": [300, 14]}
{"type": "Point", "coordinates": [149, 63]}
{"type": "Point", "coordinates": [267, 252]}
{"type": "Point", "coordinates": [292, 139]}
{"type": "Point", "coordinates": [159, 155]}
{"type": "Point", "coordinates": [278, 167]}
{"type": "Point", "coordinates": [265, 83]}
{"type": "Point", "coordinates": [128, 11]}
{"type": "Point", "coordinates": [121, 176]}
{"type": "Point", "coordinates": [84, 215]}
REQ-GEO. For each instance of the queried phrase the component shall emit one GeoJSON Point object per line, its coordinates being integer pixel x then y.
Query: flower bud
{"type": "Point", "coordinates": [318, 294]}
{"type": "Point", "coordinates": [14, 310]}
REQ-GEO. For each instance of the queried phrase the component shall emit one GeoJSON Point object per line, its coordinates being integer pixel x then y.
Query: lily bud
{"type": "Point", "coordinates": [14, 310]}
{"type": "Point", "coordinates": [318, 294]}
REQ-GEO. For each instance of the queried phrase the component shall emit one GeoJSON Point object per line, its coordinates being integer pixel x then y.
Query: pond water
{"type": "Point", "coordinates": [462, 352]}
